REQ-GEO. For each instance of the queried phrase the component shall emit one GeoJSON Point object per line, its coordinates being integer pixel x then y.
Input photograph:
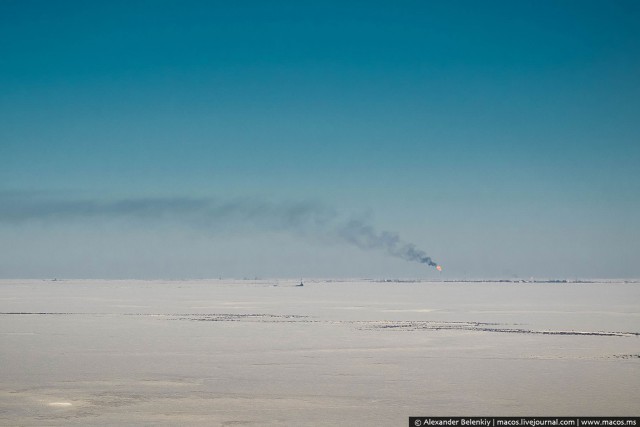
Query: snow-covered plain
{"type": "Point", "coordinates": [265, 352]}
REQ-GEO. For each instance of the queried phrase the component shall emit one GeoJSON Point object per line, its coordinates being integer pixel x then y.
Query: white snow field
{"type": "Point", "coordinates": [268, 353]}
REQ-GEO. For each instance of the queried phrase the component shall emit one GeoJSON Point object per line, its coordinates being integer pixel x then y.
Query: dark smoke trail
{"type": "Point", "coordinates": [365, 236]}
{"type": "Point", "coordinates": [303, 218]}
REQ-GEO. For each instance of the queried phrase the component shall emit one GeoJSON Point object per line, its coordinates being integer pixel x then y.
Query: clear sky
{"type": "Point", "coordinates": [171, 139]}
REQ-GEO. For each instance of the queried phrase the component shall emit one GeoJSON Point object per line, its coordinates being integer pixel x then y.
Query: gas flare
{"type": "Point", "coordinates": [438, 267]}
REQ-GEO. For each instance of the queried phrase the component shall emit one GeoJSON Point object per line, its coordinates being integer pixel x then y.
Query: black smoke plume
{"type": "Point", "coordinates": [364, 236]}
{"type": "Point", "coordinates": [304, 218]}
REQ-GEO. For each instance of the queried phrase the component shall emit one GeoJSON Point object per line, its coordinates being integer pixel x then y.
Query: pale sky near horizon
{"type": "Point", "coordinates": [166, 139]}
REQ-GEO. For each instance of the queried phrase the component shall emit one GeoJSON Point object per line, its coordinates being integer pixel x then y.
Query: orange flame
{"type": "Point", "coordinates": [439, 268]}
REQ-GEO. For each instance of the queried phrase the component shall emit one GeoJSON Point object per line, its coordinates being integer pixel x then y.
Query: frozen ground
{"type": "Point", "coordinates": [330, 353]}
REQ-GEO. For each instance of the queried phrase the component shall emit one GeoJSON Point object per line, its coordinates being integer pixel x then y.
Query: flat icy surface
{"type": "Point", "coordinates": [330, 353]}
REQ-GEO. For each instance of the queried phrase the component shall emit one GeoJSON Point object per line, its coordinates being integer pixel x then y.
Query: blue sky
{"type": "Point", "coordinates": [502, 138]}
